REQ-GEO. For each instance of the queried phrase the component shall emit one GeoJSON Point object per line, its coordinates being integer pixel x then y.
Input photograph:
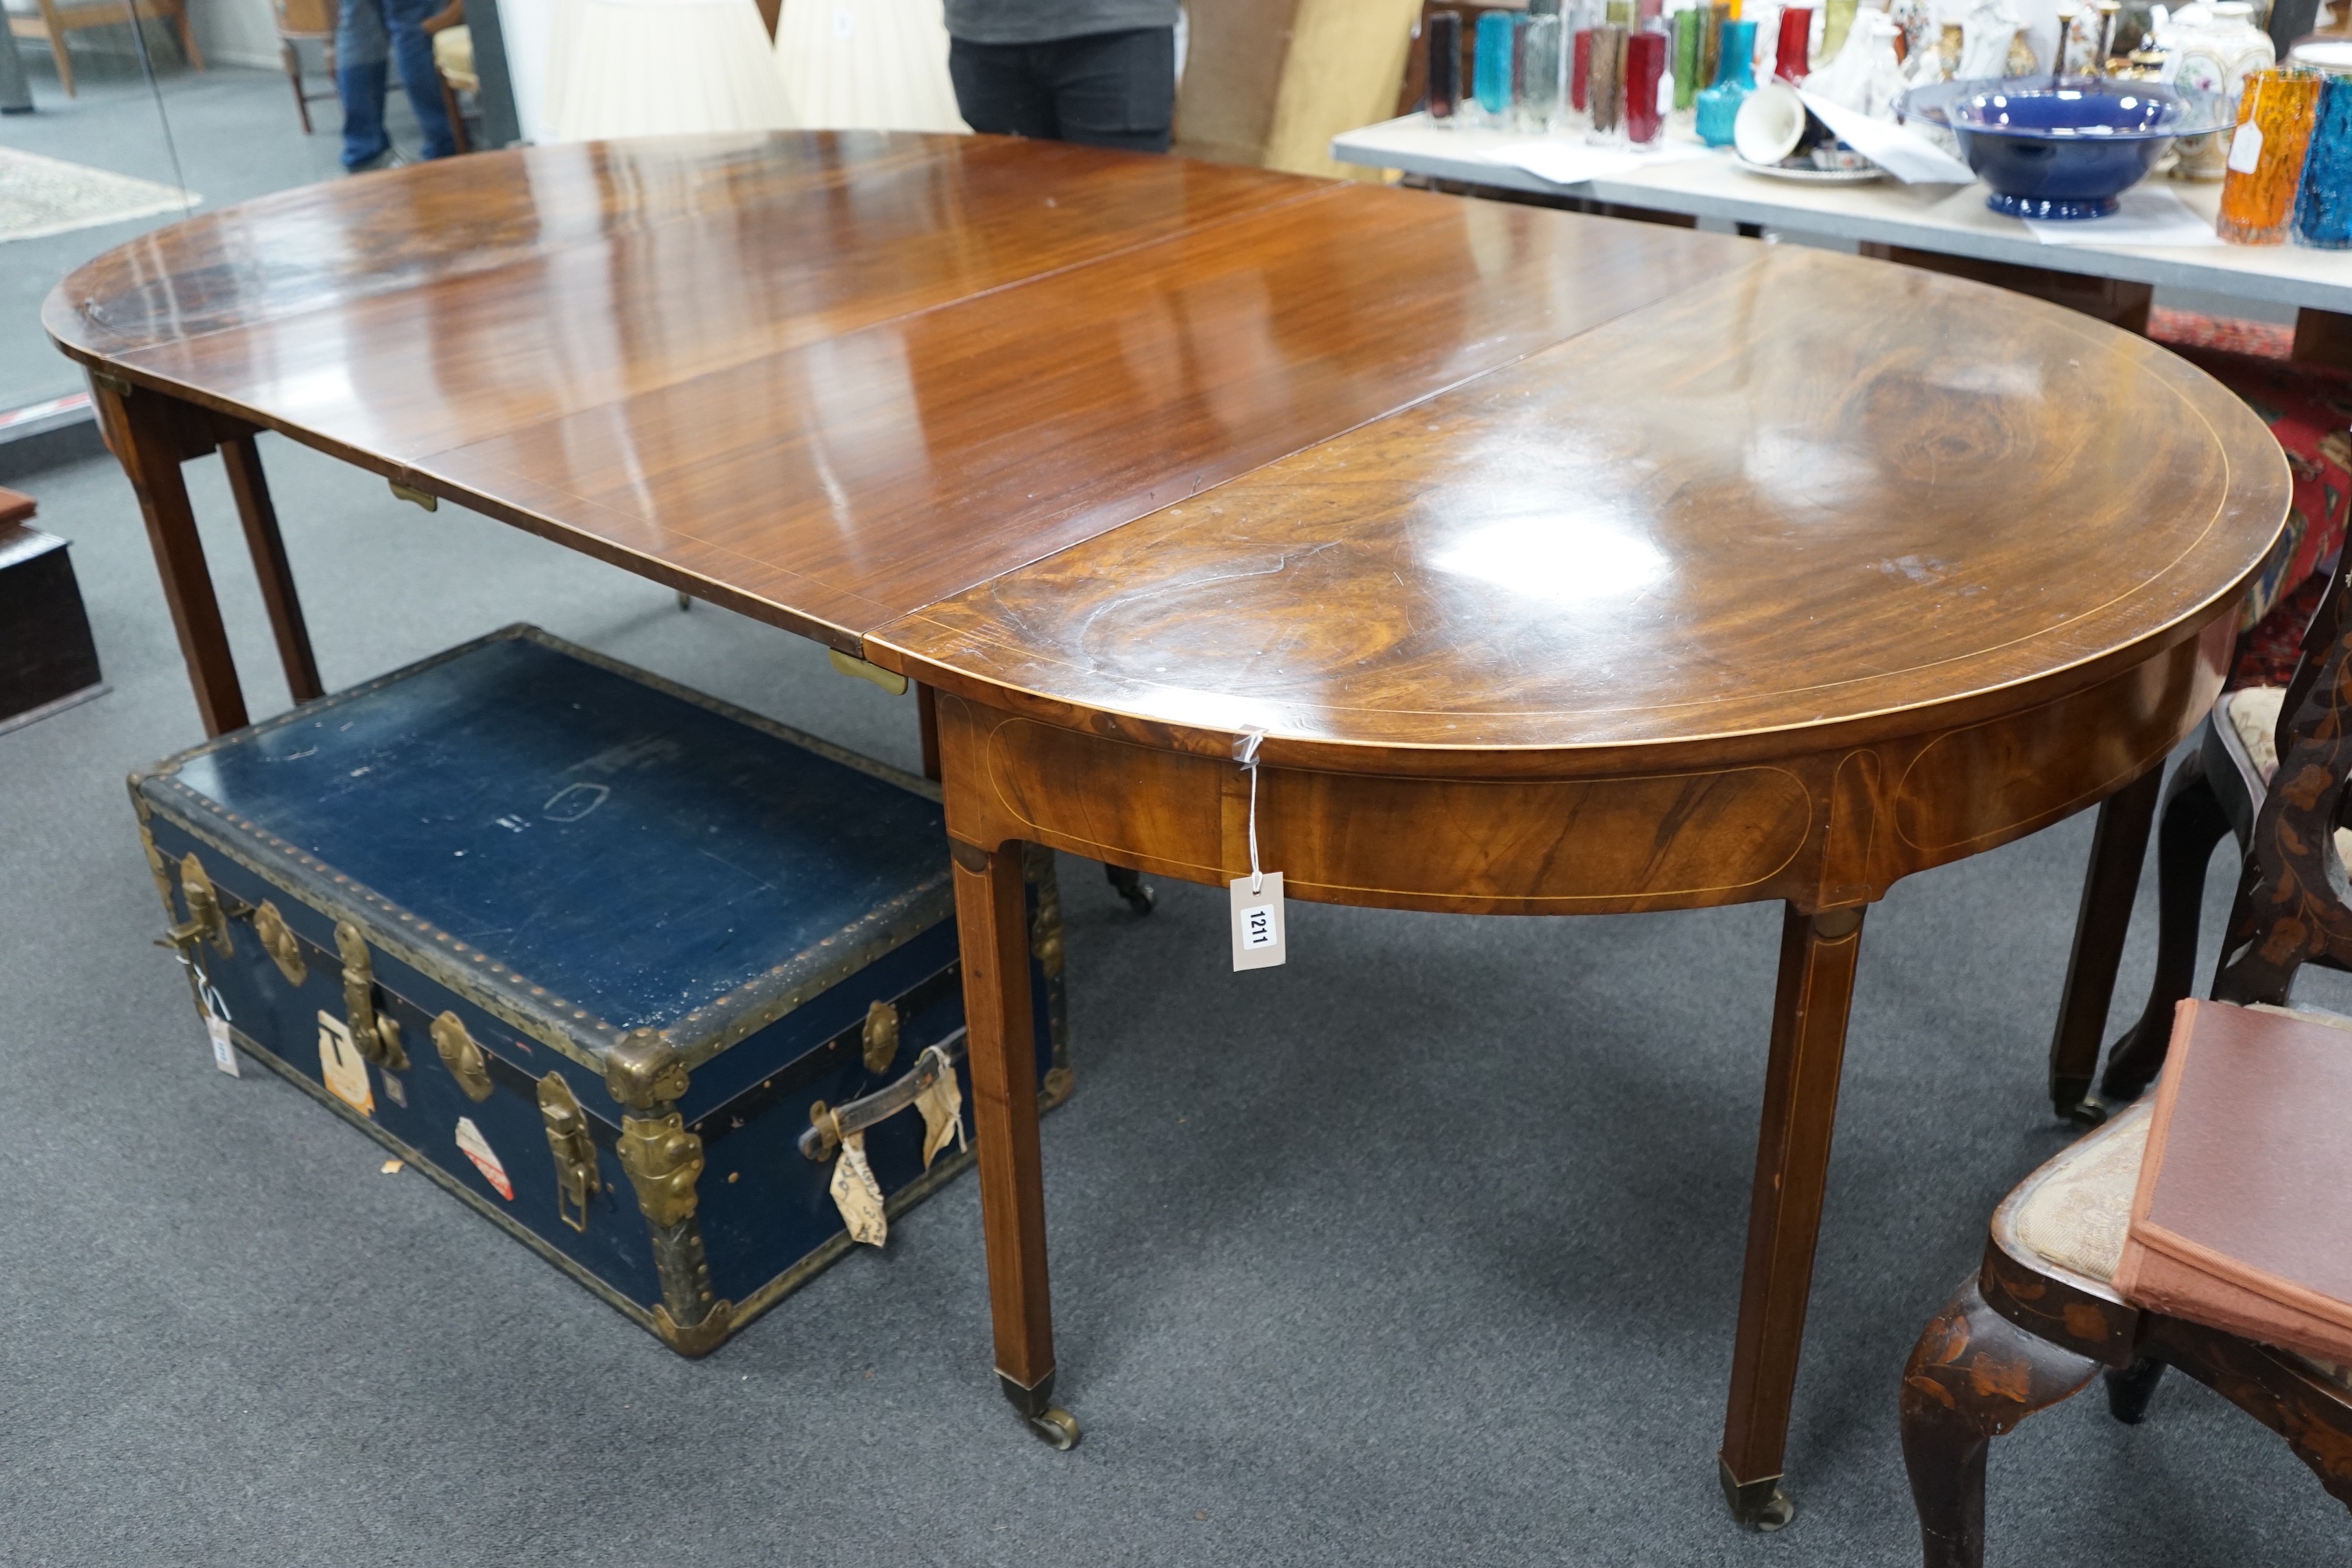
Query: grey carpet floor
{"type": "Point", "coordinates": [1424, 1248]}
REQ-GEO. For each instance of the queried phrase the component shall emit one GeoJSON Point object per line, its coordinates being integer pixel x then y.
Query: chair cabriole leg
{"type": "Point", "coordinates": [1972, 1376]}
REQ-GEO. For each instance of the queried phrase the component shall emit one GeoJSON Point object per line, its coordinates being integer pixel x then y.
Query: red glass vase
{"type": "Point", "coordinates": [1645, 67]}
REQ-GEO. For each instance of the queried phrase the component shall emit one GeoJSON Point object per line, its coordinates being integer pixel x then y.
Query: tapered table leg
{"type": "Point", "coordinates": [991, 920]}
{"type": "Point", "coordinates": [1793, 1162]}
{"type": "Point", "coordinates": [927, 720]}
{"type": "Point", "coordinates": [2117, 848]}
{"type": "Point", "coordinates": [251, 488]}
{"type": "Point", "coordinates": [148, 437]}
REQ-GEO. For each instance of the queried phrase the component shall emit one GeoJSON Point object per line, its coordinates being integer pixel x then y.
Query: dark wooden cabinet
{"type": "Point", "coordinates": [47, 660]}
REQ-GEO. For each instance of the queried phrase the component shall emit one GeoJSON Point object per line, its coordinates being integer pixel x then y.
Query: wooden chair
{"type": "Point", "coordinates": [2040, 1317]}
{"type": "Point", "coordinates": [303, 21]}
{"type": "Point", "coordinates": [47, 20]}
{"type": "Point", "coordinates": [453, 62]}
{"type": "Point", "coordinates": [2217, 790]}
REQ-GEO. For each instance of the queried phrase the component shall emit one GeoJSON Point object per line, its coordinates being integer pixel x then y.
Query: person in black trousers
{"type": "Point", "coordinates": [1102, 72]}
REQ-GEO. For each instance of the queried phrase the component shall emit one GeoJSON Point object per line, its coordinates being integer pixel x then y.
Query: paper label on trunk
{"type": "Point", "coordinates": [485, 1159]}
{"type": "Point", "coordinates": [1261, 936]}
{"type": "Point", "coordinates": [858, 1195]}
{"type": "Point", "coordinates": [2246, 148]}
{"type": "Point", "coordinates": [341, 1066]}
{"type": "Point", "coordinates": [224, 1048]}
{"type": "Point", "coordinates": [942, 1109]}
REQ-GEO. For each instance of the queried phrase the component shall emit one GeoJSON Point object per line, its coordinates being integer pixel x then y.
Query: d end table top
{"type": "Point", "coordinates": [1566, 565]}
{"type": "Point", "coordinates": [1386, 475]}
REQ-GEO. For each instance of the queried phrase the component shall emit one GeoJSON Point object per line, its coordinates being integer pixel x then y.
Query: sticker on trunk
{"type": "Point", "coordinates": [341, 1066]}
{"type": "Point", "coordinates": [485, 1159]}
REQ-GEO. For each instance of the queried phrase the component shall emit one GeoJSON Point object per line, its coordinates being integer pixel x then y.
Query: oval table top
{"type": "Point", "coordinates": [1406, 481]}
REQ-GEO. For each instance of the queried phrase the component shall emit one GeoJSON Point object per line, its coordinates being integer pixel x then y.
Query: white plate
{"type": "Point", "coordinates": [1861, 176]}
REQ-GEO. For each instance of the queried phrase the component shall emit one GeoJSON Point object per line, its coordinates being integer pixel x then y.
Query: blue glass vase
{"type": "Point", "coordinates": [2323, 211]}
{"type": "Point", "coordinates": [1491, 75]}
{"type": "Point", "coordinates": [1735, 79]}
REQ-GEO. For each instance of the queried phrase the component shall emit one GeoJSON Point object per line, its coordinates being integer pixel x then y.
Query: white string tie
{"type": "Point", "coordinates": [1245, 752]}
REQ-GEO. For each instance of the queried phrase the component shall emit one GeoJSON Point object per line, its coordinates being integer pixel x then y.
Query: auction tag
{"type": "Point", "coordinates": [485, 1159]}
{"type": "Point", "coordinates": [942, 1109]}
{"type": "Point", "coordinates": [224, 1048]}
{"type": "Point", "coordinates": [2246, 148]}
{"type": "Point", "coordinates": [342, 1067]}
{"type": "Point", "coordinates": [858, 1195]}
{"type": "Point", "coordinates": [1260, 940]}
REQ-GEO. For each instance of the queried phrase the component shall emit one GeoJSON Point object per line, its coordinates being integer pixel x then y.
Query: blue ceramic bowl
{"type": "Point", "coordinates": [2066, 148]}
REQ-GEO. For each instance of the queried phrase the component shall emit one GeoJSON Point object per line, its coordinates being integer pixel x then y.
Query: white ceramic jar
{"type": "Point", "coordinates": [2211, 47]}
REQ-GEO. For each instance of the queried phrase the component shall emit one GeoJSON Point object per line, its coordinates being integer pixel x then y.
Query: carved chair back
{"type": "Point", "coordinates": [2295, 903]}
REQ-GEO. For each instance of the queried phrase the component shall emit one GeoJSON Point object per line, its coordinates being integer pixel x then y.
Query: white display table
{"type": "Point", "coordinates": [1950, 219]}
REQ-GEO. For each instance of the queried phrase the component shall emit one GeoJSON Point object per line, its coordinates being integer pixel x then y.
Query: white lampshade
{"type": "Point", "coordinates": [867, 65]}
{"type": "Point", "coordinates": [652, 68]}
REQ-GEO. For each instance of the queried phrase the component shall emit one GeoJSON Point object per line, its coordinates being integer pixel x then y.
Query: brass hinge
{"type": "Point", "coordinates": [574, 1150]}
{"type": "Point", "coordinates": [413, 495]}
{"type": "Point", "coordinates": [896, 685]}
{"type": "Point", "coordinates": [376, 1038]}
{"type": "Point", "coordinates": [462, 1056]}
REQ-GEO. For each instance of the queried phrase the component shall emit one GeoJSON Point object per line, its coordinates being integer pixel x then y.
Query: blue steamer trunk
{"type": "Point", "coordinates": [594, 952]}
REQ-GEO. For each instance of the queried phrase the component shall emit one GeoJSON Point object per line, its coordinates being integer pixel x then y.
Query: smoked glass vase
{"type": "Point", "coordinates": [2323, 212]}
{"type": "Point", "coordinates": [1444, 31]}
{"type": "Point", "coordinates": [1735, 79]}
{"type": "Point", "coordinates": [2265, 167]}
{"type": "Point", "coordinates": [1491, 79]}
{"type": "Point", "coordinates": [1646, 73]}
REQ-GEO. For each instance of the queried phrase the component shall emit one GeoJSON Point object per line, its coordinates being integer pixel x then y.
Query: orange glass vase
{"type": "Point", "coordinates": [2275, 116]}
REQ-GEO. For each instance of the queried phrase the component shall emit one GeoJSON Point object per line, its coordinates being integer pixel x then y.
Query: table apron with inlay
{"type": "Point", "coordinates": [1825, 832]}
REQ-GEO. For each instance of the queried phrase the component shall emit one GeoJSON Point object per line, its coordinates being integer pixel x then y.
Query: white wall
{"type": "Point", "coordinates": [239, 33]}
{"type": "Point", "coordinates": [527, 26]}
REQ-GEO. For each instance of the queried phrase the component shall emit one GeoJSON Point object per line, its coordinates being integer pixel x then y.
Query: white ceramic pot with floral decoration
{"type": "Point", "coordinates": [2210, 49]}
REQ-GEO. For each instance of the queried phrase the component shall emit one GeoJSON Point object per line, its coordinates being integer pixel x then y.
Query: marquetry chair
{"type": "Point", "coordinates": [50, 22]}
{"type": "Point", "coordinates": [2217, 790]}
{"type": "Point", "coordinates": [2041, 1316]}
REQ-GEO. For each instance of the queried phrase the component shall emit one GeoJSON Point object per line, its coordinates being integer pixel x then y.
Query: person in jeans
{"type": "Point", "coordinates": [1102, 72]}
{"type": "Point", "coordinates": [368, 33]}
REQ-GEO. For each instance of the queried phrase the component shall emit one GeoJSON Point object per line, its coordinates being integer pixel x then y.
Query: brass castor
{"type": "Point", "coordinates": [684, 600]}
{"type": "Point", "coordinates": [1761, 1506]}
{"type": "Point", "coordinates": [1057, 1426]}
{"type": "Point", "coordinates": [1777, 1511]}
{"type": "Point", "coordinates": [1139, 893]}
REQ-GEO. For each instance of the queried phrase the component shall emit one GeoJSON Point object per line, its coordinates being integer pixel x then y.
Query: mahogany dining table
{"type": "Point", "coordinates": [1551, 564]}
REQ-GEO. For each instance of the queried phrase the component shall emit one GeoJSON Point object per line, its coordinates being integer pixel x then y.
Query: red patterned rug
{"type": "Point", "coordinates": [2221, 334]}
